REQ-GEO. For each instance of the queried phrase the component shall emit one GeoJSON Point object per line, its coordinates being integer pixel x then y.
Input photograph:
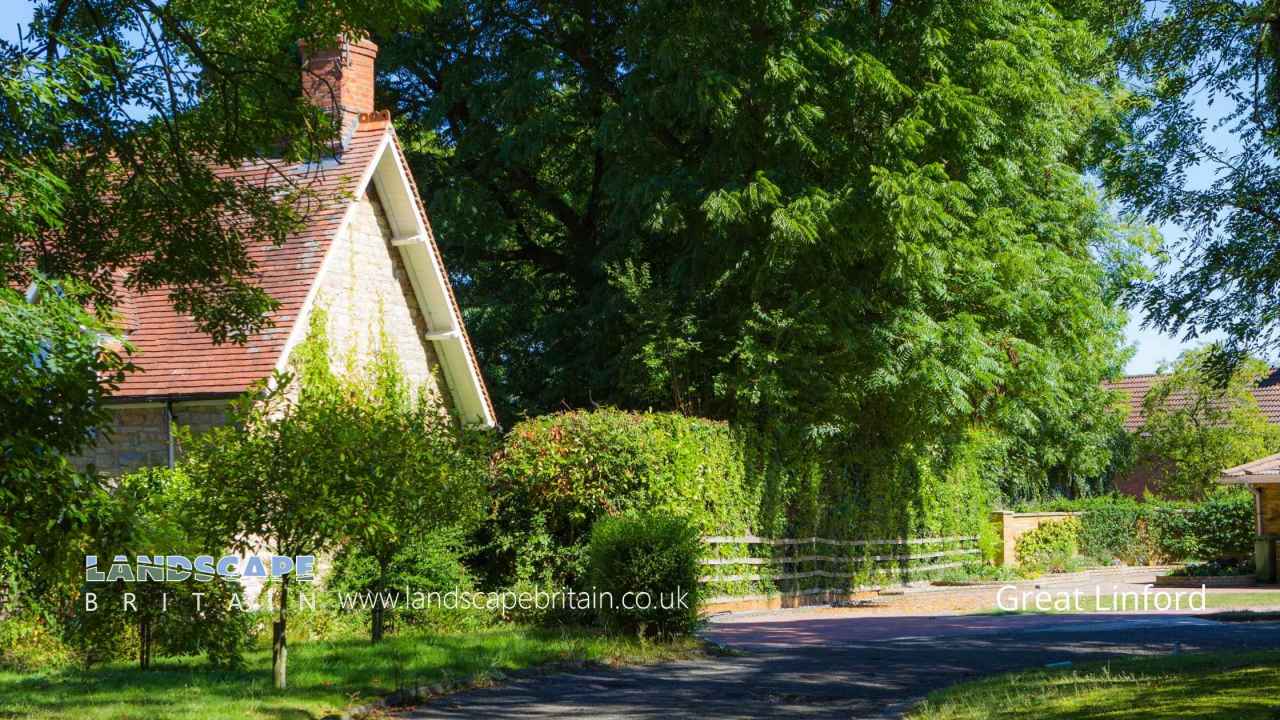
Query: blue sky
{"type": "Point", "coordinates": [1152, 348]}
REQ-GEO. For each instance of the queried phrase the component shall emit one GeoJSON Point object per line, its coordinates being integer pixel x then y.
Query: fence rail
{"type": "Point", "coordinates": [851, 562]}
{"type": "Point", "coordinates": [753, 540]}
{"type": "Point", "coordinates": [809, 574]}
{"type": "Point", "coordinates": [832, 558]}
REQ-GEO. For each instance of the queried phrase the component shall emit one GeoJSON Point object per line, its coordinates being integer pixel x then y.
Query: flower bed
{"type": "Point", "coordinates": [1217, 573]}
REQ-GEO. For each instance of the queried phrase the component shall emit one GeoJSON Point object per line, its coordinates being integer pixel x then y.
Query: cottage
{"type": "Point", "coordinates": [366, 255]}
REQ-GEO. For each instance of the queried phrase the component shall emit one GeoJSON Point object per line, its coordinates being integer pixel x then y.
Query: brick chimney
{"type": "Point", "coordinates": [339, 79]}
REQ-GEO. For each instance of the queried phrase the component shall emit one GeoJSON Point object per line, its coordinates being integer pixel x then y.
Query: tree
{"type": "Point", "coordinates": [113, 116]}
{"type": "Point", "coordinates": [1194, 429]}
{"type": "Point", "coordinates": [361, 460]}
{"type": "Point", "coordinates": [146, 512]}
{"type": "Point", "coordinates": [413, 473]}
{"type": "Point", "coordinates": [1199, 150]}
{"type": "Point", "coordinates": [275, 478]}
{"type": "Point", "coordinates": [853, 220]}
{"type": "Point", "coordinates": [56, 370]}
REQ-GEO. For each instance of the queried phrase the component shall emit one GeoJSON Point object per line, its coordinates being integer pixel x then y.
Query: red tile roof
{"type": "Point", "coordinates": [1136, 387]}
{"type": "Point", "coordinates": [176, 360]}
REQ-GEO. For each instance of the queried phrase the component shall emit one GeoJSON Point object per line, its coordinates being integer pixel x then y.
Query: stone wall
{"type": "Point", "coordinates": [1010, 526]}
{"type": "Point", "coordinates": [367, 295]}
{"type": "Point", "coordinates": [138, 436]}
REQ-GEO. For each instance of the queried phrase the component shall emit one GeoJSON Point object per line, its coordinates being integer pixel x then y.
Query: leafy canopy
{"type": "Point", "coordinates": [1200, 150]}
{"type": "Point", "coordinates": [854, 219]}
{"type": "Point", "coordinates": [57, 364]}
{"type": "Point", "coordinates": [362, 459]}
{"type": "Point", "coordinates": [112, 116]}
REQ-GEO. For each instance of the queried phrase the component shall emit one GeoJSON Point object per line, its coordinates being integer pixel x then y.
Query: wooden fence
{"type": "Point", "coordinates": [856, 565]}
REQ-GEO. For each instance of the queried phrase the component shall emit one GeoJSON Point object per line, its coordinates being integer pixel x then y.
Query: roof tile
{"type": "Point", "coordinates": [175, 359]}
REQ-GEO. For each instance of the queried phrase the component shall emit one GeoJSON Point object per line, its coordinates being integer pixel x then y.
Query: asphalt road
{"type": "Point", "coordinates": [843, 666]}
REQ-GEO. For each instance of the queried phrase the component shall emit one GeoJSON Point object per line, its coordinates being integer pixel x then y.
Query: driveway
{"type": "Point", "coordinates": [845, 663]}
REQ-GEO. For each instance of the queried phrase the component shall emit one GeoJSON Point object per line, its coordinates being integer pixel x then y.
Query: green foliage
{"type": "Point", "coordinates": [274, 479]}
{"type": "Point", "coordinates": [1051, 546]}
{"type": "Point", "coordinates": [824, 220]}
{"type": "Point", "coordinates": [649, 560]}
{"type": "Point", "coordinates": [28, 643]}
{"type": "Point", "coordinates": [1221, 527]}
{"type": "Point", "coordinates": [556, 475]}
{"type": "Point", "coordinates": [114, 114]}
{"type": "Point", "coordinates": [55, 373]}
{"type": "Point", "coordinates": [1200, 150]}
{"type": "Point", "coordinates": [1217, 568]}
{"type": "Point", "coordinates": [1111, 532]}
{"type": "Point", "coordinates": [1194, 429]}
{"type": "Point", "coordinates": [150, 511]}
{"type": "Point", "coordinates": [430, 563]}
{"type": "Point", "coordinates": [407, 467]}
{"type": "Point", "coordinates": [362, 460]}
{"type": "Point", "coordinates": [977, 573]}
{"type": "Point", "coordinates": [1137, 533]}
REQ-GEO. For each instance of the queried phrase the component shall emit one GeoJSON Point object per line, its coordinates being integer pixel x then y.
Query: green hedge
{"type": "Point", "coordinates": [556, 475]}
{"type": "Point", "coordinates": [1134, 532]}
{"type": "Point", "coordinates": [648, 566]}
{"type": "Point", "coordinates": [1050, 547]}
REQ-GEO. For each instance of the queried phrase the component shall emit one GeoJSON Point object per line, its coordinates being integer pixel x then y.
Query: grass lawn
{"type": "Point", "coordinates": [1213, 601]}
{"type": "Point", "coordinates": [1231, 686]}
{"type": "Point", "coordinates": [324, 677]}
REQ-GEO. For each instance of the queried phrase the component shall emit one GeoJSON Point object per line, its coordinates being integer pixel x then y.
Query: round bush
{"type": "Point", "coordinates": [651, 563]}
{"type": "Point", "coordinates": [1050, 546]}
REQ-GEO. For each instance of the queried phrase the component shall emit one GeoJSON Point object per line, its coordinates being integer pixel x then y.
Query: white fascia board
{"type": "Point", "coordinates": [431, 287]}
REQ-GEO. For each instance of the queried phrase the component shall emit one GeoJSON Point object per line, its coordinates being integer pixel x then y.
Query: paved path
{"type": "Point", "coordinates": [843, 664]}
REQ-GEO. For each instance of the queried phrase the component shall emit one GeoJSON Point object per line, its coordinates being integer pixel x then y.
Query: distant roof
{"type": "Point", "coordinates": [1266, 469]}
{"type": "Point", "coordinates": [1267, 393]}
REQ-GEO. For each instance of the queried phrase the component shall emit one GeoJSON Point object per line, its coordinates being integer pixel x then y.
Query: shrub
{"type": "Point", "coordinates": [1109, 530]}
{"type": "Point", "coordinates": [1224, 526]}
{"type": "Point", "coordinates": [1052, 546]}
{"type": "Point", "coordinates": [1220, 527]}
{"type": "Point", "coordinates": [29, 644]}
{"type": "Point", "coordinates": [556, 475]}
{"type": "Point", "coordinates": [150, 510]}
{"type": "Point", "coordinates": [652, 554]}
{"type": "Point", "coordinates": [1216, 568]}
{"type": "Point", "coordinates": [433, 563]}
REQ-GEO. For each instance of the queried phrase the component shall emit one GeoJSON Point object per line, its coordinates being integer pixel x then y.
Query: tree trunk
{"type": "Point", "coordinates": [379, 612]}
{"type": "Point", "coordinates": [144, 643]}
{"type": "Point", "coordinates": [279, 645]}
